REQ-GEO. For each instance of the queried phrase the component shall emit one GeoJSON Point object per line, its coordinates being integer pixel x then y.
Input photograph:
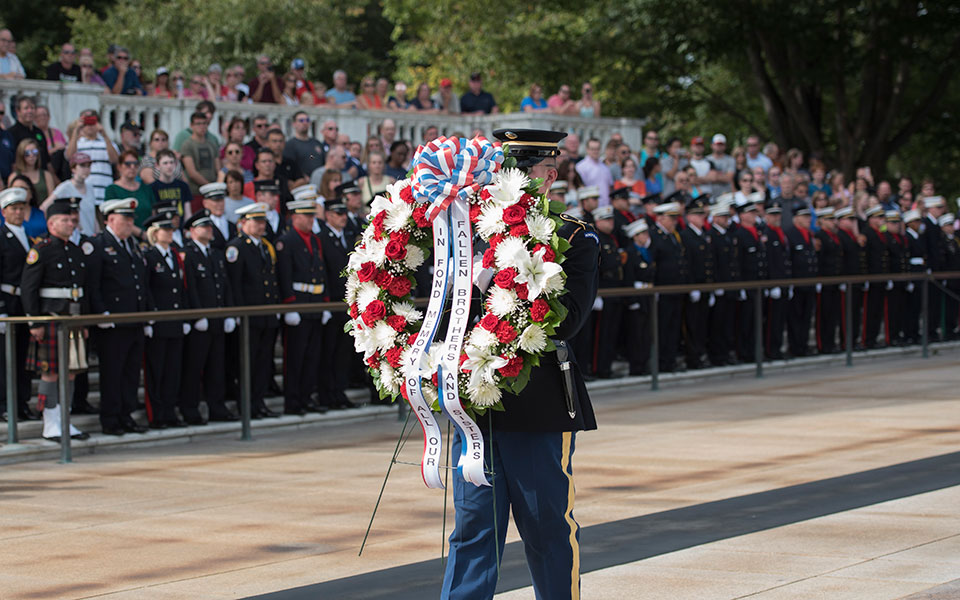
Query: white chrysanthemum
{"type": "Point", "coordinates": [406, 366]}
{"type": "Point", "coordinates": [376, 252]}
{"type": "Point", "coordinates": [503, 302]}
{"type": "Point", "coordinates": [415, 257]}
{"type": "Point", "coordinates": [429, 391]}
{"type": "Point", "coordinates": [485, 396]}
{"type": "Point", "coordinates": [393, 189]}
{"type": "Point", "coordinates": [367, 292]}
{"type": "Point", "coordinates": [553, 283]}
{"type": "Point", "coordinates": [368, 234]}
{"type": "Point", "coordinates": [379, 204]}
{"type": "Point", "coordinates": [509, 187]}
{"type": "Point", "coordinates": [384, 336]}
{"type": "Point", "coordinates": [430, 360]}
{"type": "Point", "coordinates": [490, 222]}
{"type": "Point", "coordinates": [398, 215]}
{"type": "Point", "coordinates": [482, 339]}
{"type": "Point", "coordinates": [533, 339]}
{"type": "Point", "coordinates": [388, 378]}
{"type": "Point", "coordinates": [541, 228]}
{"type": "Point", "coordinates": [536, 273]}
{"type": "Point", "coordinates": [408, 311]}
{"type": "Point", "coordinates": [363, 342]}
{"type": "Point", "coordinates": [353, 282]}
{"type": "Point", "coordinates": [510, 252]}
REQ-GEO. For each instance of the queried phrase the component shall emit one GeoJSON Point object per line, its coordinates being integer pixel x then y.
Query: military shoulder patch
{"type": "Point", "coordinates": [592, 235]}
{"type": "Point", "coordinates": [87, 248]}
{"type": "Point", "coordinates": [232, 254]}
{"type": "Point", "coordinates": [32, 256]}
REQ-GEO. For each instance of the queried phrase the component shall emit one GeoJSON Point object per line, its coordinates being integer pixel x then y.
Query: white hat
{"type": "Point", "coordinates": [911, 215]}
{"type": "Point", "coordinates": [574, 211]}
{"type": "Point", "coordinates": [125, 206]}
{"type": "Point", "coordinates": [590, 191]}
{"type": "Point", "coordinates": [719, 138]}
{"type": "Point", "coordinates": [13, 195]}
{"type": "Point", "coordinates": [893, 215]}
{"type": "Point", "coordinates": [559, 185]}
{"type": "Point", "coordinates": [757, 198]}
{"type": "Point", "coordinates": [212, 191]}
{"type": "Point", "coordinates": [162, 71]}
{"type": "Point", "coordinates": [302, 207]}
{"type": "Point", "coordinates": [846, 211]}
{"type": "Point", "coordinates": [256, 210]}
{"type": "Point", "coordinates": [826, 213]}
{"type": "Point", "coordinates": [727, 198]}
{"type": "Point", "coordinates": [603, 212]}
{"type": "Point", "coordinates": [720, 210]}
{"type": "Point", "coordinates": [668, 208]}
{"type": "Point", "coordinates": [638, 226]}
{"type": "Point", "coordinates": [933, 201]}
{"type": "Point", "coordinates": [947, 219]}
{"type": "Point", "coordinates": [304, 192]}
{"type": "Point", "coordinates": [873, 211]}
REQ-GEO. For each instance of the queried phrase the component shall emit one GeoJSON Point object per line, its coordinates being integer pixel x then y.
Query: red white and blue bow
{"type": "Point", "coordinates": [450, 168]}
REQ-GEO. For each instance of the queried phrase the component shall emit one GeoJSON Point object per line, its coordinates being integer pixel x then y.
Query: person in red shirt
{"type": "Point", "coordinates": [265, 87]}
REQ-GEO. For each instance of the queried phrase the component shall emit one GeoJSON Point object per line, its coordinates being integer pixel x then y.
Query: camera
{"type": "Point", "coordinates": [90, 120]}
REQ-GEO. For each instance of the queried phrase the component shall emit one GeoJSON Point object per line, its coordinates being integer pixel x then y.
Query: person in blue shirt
{"type": "Point", "coordinates": [34, 223]}
{"type": "Point", "coordinates": [340, 95]}
{"type": "Point", "coordinates": [535, 101]}
{"type": "Point", "coordinates": [120, 78]}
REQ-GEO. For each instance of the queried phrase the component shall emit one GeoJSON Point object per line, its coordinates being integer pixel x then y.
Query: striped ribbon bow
{"type": "Point", "coordinates": [451, 168]}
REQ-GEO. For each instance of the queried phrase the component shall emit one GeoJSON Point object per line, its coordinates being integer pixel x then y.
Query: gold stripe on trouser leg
{"type": "Point", "coordinates": [568, 515]}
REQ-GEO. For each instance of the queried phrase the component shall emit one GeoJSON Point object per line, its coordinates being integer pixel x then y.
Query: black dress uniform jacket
{"type": "Point", "coordinates": [854, 255]}
{"type": "Point", "coordinates": [335, 257]}
{"type": "Point", "coordinates": [611, 263]}
{"type": "Point", "coordinates": [219, 241]}
{"type": "Point", "coordinates": [117, 275]}
{"type": "Point", "coordinates": [726, 253]}
{"type": "Point", "coordinates": [56, 264]}
{"type": "Point", "coordinates": [831, 254]}
{"type": "Point", "coordinates": [12, 258]}
{"type": "Point", "coordinates": [297, 263]}
{"type": "Point", "coordinates": [878, 254]}
{"type": "Point", "coordinates": [206, 281]}
{"type": "Point", "coordinates": [669, 257]}
{"type": "Point", "coordinates": [803, 255]}
{"type": "Point", "coordinates": [166, 290]}
{"type": "Point", "coordinates": [353, 229]}
{"type": "Point", "coordinates": [542, 404]}
{"type": "Point", "coordinates": [779, 262]}
{"type": "Point", "coordinates": [252, 270]}
{"type": "Point", "coordinates": [916, 251]}
{"type": "Point", "coordinates": [753, 255]}
{"type": "Point", "coordinates": [700, 255]}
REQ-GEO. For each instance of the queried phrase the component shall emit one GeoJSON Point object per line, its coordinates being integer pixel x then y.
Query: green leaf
{"type": "Point", "coordinates": [557, 207]}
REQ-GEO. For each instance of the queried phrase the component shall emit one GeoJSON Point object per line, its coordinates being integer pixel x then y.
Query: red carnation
{"type": "Point", "coordinates": [506, 333]}
{"type": "Point", "coordinates": [548, 255]}
{"type": "Point", "coordinates": [485, 195]}
{"type": "Point", "coordinates": [374, 361]}
{"type": "Point", "coordinates": [397, 322]}
{"type": "Point", "coordinates": [375, 311]}
{"type": "Point", "coordinates": [400, 236]}
{"type": "Point", "coordinates": [420, 216]}
{"type": "Point", "coordinates": [406, 194]}
{"type": "Point", "coordinates": [378, 224]}
{"type": "Point", "coordinates": [489, 259]}
{"type": "Point", "coordinates": [539, 309]}
{"type": "Point", "coordinates": [463, 359]}
{"type": "Point", "coordinates": [512, 368]}
{"type": "Point", "coordinates": [396, 250]}
{"type": "Point", "coordinates": [367, 271]}
{"type": "Point", "coordinates": [412, 338]}
{"type": "Point", "coordinates": [505, 278]}
{"type": "Point", "coordinates": [495, 240]}
{"type": "Point", "coordinates": [512, 215]}
{"type": "Point", "coordinates": [474, 212]}
{"type": "Point", "coordinates": [354, 312]}
{"type": "Point", "coordinates": [520, 230]}
{"type": "Point", "coordinates": [393, 356]}
{"type": "Point", "coordinates": [490, 322]}
{"type": "Point", "coordinates": [434, 379]}
{"type": "Point", "coordinates": [522, 292]}
{"type": "Point", "coordinates": [399, 287]}
{"type": "Point", "coordinates": [382, 279]}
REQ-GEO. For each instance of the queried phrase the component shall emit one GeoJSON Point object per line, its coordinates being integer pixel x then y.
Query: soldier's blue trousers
{"type": "Point", "coordinates": [533, 479]}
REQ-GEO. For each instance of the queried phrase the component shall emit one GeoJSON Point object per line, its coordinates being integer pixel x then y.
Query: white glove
{"type": "Point", "coordinates": [481, 277]}
{"type": "Point", "coordinates": [776, 293]}
{"type": "Point", "coordinates": [711, 300]}
{"type": "Point", "coordinates": [743, 295]}
{"type": "Point", "coordinates": [186, 328]}
{"type": "Point", "coordinates": [889, 284]}
{"type": "Point", "coordinates": [790, 293]}
{"type": "Point", "coordinates": [3, 326]}
{"type": "Point", "coordinates": [819, 287]}
{"type": "Point", "coordinates": [148, 331]}
{"type": "Point", "coordinates": [843, 287]}
{"type": "Point", "coordinates": [866, 286]}
{"type": "Point", "coordinates": [695, 296]}
{"type": "Point", "coordinates": [229, 324]}
{"type": "Point", "coordinates": [910, 288]}
{"type": "Point", "coordinates": [598, 303]}
{"type": "Point", "coordinates": [327, 315]}
{"type": "Point", "coordinates": [638, 285]}
{"type": "Point", "coordinates": [634, 306]}
{"type": "Point", "coordinates": [718, 293]}
{"type": "Point", "coordinates": [292, 319]}
{"type": "Point", "coordinates": [201, 325]}
{"type": "Point", "coordinates": [106, 325]}
{"type": "Point", "coordinates": [766, 293]}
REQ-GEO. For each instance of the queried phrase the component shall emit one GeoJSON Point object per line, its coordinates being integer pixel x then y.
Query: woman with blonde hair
{"type": "Point", "coordinates": [328, 184]}
{"type": "Point", "coordinates": [27, 163]}
{"type": "Point", "coordinates": [376, 181]}
{"type": "Point", "coordinates": [368, 99]}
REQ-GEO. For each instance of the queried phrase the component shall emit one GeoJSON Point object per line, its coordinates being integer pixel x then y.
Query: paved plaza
{"type": "Point", "coordinates": [831, 482]}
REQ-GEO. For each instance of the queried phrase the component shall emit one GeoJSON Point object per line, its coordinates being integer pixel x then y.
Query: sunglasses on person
{"type": "Point", "coordinates": [233, 151]}
{"type": "Point", "coordinates": [259, 125]}
{"type": "Point", "coordinates": [159, 139]}
{"type": "Point", "coordinates": [303, 120]}
{"type": "Point", "coordinates": [130, 163]}
{"type": "Point", "coordinates": [31, 152]}
{"type": "Point", "coordinates": [123, 58]}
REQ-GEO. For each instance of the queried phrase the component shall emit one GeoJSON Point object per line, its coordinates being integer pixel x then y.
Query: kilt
{"type": "Point", "coordinates": [42, 355]}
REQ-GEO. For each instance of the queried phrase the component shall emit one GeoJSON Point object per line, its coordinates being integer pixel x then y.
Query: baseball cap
{"type": "Point", "coordinates": [297, 63]}
{"type": "Point", "coordinates": [131, 125]}
{"type": "Point", "coordinates": [215, 68]}
{"type": "Point", "coordinates": [161, 71]}
{"type": "Point", "coordinates": [696, 140]}
{"type": "Point", "coordinates": [80, 158]}
{"type": "Point", "coordinates": [445, 82]}
{"type": "Point", "coordinates": [476, 76]}
{"type": "Point", "coordinates": [719, 138]}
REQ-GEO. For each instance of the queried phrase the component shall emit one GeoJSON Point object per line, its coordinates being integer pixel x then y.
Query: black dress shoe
{"type": "Point", "coordinates": [132, 426]}
{"type": "Point", "coordinates": [83, 408]}
{"type": "Point", "coordinates": [299, 412]}
{"type": "Point", "coordinates": [227, 417]}
{"type": "Point", "coordinates": [83, 435]}
{"type": "Point", "coordinates": [176, 423]}
{"type": "Point", "coordinates": [198, 421]}
{"type": "Point", "coordinates": [158, 425]}
{"type": "Point", "coordinates": [266, 412]}
{"type": "Point", "coordinates": [116, 430]}
{"type": "Point", "coordinates": [316, 408]}
{"type": "Point", "coordinates": [28, 414]}
{"type": "Point", "coordinates": [274, 388]}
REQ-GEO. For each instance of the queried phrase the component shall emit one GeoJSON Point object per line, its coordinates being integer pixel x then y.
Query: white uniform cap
{"type": "Point", "coordinates": [947, 219]}
{"type": "Point", "coordinates": [933, 201]}
{"type": "Point", "coordinates": [125, 206]}
{"type": "Point", "coordinates": [604, 212]}
{"type": "Point", "coordinates": [213, 190]}
{"type": "Point", "coordinates": [305, 192]}
{"type": "Point", "coordinates": [590, 191]}
{"type": "Point", "coordinates": [911, 215]}
{"type": "Point", "coordinates": [13, 195]}
{"type": "Point", "coordinates": [638, 226]}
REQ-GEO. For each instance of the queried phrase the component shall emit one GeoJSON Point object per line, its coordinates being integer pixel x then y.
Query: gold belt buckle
{"type": "Point", "coordinates": [75, 294]}
{"type": "Point", "coordinates": [318, 288]}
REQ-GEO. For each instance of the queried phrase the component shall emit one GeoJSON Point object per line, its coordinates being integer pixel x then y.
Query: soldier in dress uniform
{"type": "Point", "coordinates": [589, 199]}
{"type": "Point", "coordinates": [721, 343]}
{"type": "Point", "coordinates": [252, 271]}
{"type": "Point", "coordinates": [351, 197]}
{"type": "Point", "coordinates": [916, 261]}
{"type": "Point", "coordinates": [163, 354]}
{"type": "Point", "coordinates": [804, 263]}
{"type": "Point", "coordinates": [54, 282]}
{"type": "Point", "coordinates": [779, 266]}
{"type": "Point", "coordinates": [854, 263]}
{"type": "Point", "coordinates": [899, 251]}
{"type": "Point", "coordinates": [951, 262]}
{"type": "Point", "coordinates": [214, 200]}
{"type": "Point", "coordinates": [829, 304]}
{"type": "Point", "coordinates": [612, 260]}
{"type": "Point", "coordinates": [302, 278]}
{"type": "Point", "coordinates": [533, 439]}
{"type": "Point", "coordinates": [558, 191]}
{"type": "Point", "coordinates": [698, 248]}
{"type": "Point", "coordinates": [753, 267]}
{"type": "Point", "coordinates": [81, 383]}
{"type": "Point", "coordinates": [338, 360]}
{"type": "Point", "coordinates": [117, 284]}
{"type": "Point", "coordinates": [878, 263]}
{"type": "Point", "coordinates": [935, 245]}
{"type": "Point", "coordinates": [268, 192]}
{"type": "Point", "coordinates": [14, 246]}
{"type": "Point", "coordinates": [670, 267]}
{"type": "Point", "coordinates": [620, 201]}
{"type": "Point", "coordinates": [207, 286]}
{"type": "Point", "coordinates": [636, 322]}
